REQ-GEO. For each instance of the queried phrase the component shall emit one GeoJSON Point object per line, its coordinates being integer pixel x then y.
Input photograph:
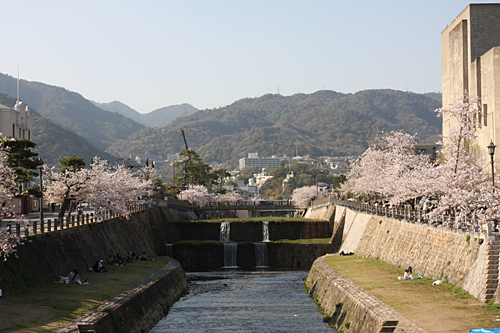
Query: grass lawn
{"type": "Point", "coordinates": [254, 219]}
{"type": "Point", "coordinates": [48, 307]}
{"type": "Point", "coordinates": [442, 308]}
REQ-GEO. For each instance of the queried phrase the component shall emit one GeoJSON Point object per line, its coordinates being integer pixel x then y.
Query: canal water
{"type": "Point", "coordinates": [244, 301]}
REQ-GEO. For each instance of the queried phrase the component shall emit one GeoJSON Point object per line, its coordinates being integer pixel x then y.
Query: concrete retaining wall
{"type": "Point", "coordinates": [435, 252]}
{"type": "Point", "coordinates": [351, 308]}
{"type": "Point", "coordinates": [139, 308]}
{"type": "Point", "coordinates": [211, 255]}
{"type": "Point", "coordinates": [249, 231]}
{"type": "Point", "coordinates": [44, 257]}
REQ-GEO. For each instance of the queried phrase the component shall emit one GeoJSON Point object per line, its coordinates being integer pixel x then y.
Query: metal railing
{"type": "Point", "coordinates": [54, 225]}
{"type": "Point", "coordinates": [406, 213]}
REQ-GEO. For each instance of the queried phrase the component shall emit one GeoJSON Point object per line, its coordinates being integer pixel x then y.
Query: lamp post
{"type": "Point", "coordinates": [41, 198]}
{"type": "Point", "coordinates": [158, 188]}
{"type": "Point", "coordinates": [491, 151]}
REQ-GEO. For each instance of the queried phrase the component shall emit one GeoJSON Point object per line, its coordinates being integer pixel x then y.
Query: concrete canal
{"type": "Point", "coordinates": [244, 301]}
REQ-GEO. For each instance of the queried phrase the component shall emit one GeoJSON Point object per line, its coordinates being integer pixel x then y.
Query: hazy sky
{"type": "Point", "coordinates": [151, 54]}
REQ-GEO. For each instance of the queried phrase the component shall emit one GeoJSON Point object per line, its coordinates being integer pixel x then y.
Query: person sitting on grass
{"type": "Point", "coordinates": [120, 261]}
{"type": "Point", "coordinates": [98, 267]}
{"type": "Point", "coordinates": [143, 257]}
{"type": "Point", "coordinates": [71, 278]}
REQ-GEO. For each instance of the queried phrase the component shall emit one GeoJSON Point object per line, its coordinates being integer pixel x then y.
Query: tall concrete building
{"type": "Point", "coordinates": [470, 60]}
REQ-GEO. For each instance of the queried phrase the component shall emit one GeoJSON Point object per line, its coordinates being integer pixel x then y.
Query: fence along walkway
{"type": "Point", "coordinates": [406, 213]}
{"type": "Point", "coordinates": [48, 226]}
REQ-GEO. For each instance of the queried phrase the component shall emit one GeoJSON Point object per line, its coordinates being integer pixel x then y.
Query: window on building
{"type": "Point", "coordinates": [13, 130]}
{"type": "Point", "coordinates": [19, 133]}
{"type": "Point", "coordinates": [485, 115]}
{"type": "Point", "coordinates": [29, 135]}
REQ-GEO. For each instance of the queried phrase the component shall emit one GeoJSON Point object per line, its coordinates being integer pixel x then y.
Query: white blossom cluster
{"type": "Point", "coordinates": [198, 194]}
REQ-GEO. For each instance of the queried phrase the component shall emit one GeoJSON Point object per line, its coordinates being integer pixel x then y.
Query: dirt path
{"type": "Point", "coordinates": [442, 308]}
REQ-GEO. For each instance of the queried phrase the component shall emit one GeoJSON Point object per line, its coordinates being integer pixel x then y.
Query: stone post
{"type": "Point", "coordinates": [34, 227]}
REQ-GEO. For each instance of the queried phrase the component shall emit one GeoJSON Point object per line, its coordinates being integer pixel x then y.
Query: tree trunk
{"type": "Point", "coordinates": [64, 206]}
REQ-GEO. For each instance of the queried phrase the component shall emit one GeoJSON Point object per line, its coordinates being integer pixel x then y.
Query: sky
{"type": "Point", "coordinates": [151, 54]}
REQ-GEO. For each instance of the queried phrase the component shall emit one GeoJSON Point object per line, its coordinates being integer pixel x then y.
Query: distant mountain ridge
{"type": "Point", "coordinates": [53, 142]}
{"type": "Point", "coordinates": [322, 123]}
{"type": "Point", "coordinates": [72, 111]}
{"type": "Point", "coordinates": [157, 118]}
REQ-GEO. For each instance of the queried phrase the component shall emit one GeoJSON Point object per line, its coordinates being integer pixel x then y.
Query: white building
{"type": "Point", "coordinates": [253, 159]}
{"type": "Point", "coordinates": [16, 121]}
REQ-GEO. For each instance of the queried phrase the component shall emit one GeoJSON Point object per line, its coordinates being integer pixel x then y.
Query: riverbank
{"type": "Point", "coordinates": [441, 308]}
{"type": "Point", "coordinates": [51, 306]}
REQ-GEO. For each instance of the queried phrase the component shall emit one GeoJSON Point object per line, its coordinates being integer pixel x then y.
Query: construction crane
{"type": "Point", "coordinates": [184, 137]}
{"type": "Point", "coordinates": [185, 164]}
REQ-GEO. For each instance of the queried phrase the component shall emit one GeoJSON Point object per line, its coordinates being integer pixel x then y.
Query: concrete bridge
{"type": "Point", "coordinates": [246, 209]}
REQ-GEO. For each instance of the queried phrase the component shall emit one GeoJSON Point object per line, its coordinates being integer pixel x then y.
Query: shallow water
{"type": "Point", "coordinates": [244, 301]}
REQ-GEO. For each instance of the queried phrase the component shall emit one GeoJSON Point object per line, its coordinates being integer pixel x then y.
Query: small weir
{"type": "Point", "coordinates": [230, 250]}
{"type": "Point", "coordinates": [244, 301]}
{"type": "Point", "coordinates": [225, 231]}
{"type": "Point", "coordinates": [265, 231]}
{"type": "Point", "coordinates": [170, 250]}
{"type": "Point", "coordinates": [261, 255]}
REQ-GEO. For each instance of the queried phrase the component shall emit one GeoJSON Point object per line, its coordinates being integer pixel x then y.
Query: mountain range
{"type": "Point", "coordinates": [157, 118]}
{"type": "Point", "coordinates": [318, 124]}
{"type": "Point", "coordinates": [324, 123]}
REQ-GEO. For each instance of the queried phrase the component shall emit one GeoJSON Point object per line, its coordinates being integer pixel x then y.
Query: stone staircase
{"type": "Point", "coordinates": [492, 260]}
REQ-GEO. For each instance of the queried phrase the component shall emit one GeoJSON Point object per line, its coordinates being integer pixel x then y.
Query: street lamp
{"type": "Point", "coordinates": [491, 150]}
{"type": "Point", "coordinates": [41, 198]}
{"type": "Point", "coordinates": [158, 188]}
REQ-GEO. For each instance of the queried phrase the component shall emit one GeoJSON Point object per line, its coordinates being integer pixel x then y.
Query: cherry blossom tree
{"type": "Point", "coordinates": [459, 182]}
{"type": "Point", "coordinates": [102, 187]}
{"type": "Point", "coordinates": [66, 186]}
{"type": "Point", "coordinates": [388, 169]}
{"type": "Point", "coordinates": [229, 197]}
{"type": "Point", "coordinates": [302, 196]}
{"type": "Point", "coordinates": [8, 241]}
{"type": "Point", "coordinates": [113, 188]}
{"type": "Point", "coordinates": [393, 171]}
{"type": "Point", "coordinates": [197, 194]}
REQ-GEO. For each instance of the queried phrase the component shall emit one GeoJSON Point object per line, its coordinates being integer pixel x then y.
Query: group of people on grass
{"type": "Point", "coordinates": [118, 260]}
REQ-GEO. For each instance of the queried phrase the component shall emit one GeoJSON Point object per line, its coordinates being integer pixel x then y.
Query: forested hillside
{"type": "Point", "coordinates": [322, 123]}
{"type": "Point", "coordinates": [54, 142]}
{"type": "Point", "coordinates": [72, 111]}
{"type": "Point", "coordinates": [157, 118]}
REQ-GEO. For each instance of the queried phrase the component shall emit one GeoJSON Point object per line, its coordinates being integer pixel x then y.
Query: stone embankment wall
{"type": "Point", "coordinates": [456, 256]}
{"type": "Point", "coordinates": [44, 257]}
{"type": "Point", "coordinates": [139, 308]}
{"type": "Point", "coordinates": [350, 307]}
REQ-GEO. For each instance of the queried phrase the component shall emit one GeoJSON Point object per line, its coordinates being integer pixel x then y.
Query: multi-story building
{"type": "Point", "coordinates": [253, 159]}
{"type": "Point", "coordinates": [470, 58]}
{"type": "Point", "coordinates": [16, 121]}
